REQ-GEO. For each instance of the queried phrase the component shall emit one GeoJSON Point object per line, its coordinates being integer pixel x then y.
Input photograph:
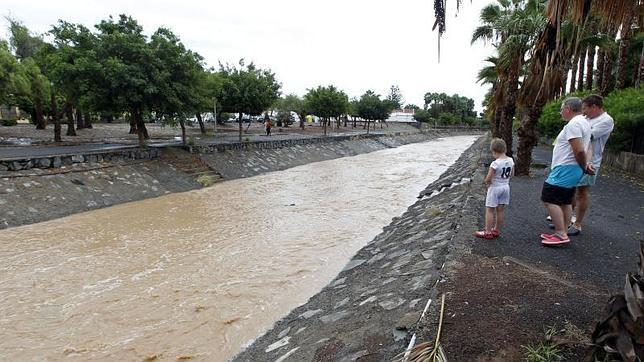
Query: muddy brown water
{"type": "Point", "coordinates": [200, 274]}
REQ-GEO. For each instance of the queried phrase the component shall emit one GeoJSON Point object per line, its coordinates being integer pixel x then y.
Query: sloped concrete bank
{"type": "Point", "coordinates": [35, 195]}
{"type": "Point", "coordinates": [372, 308]}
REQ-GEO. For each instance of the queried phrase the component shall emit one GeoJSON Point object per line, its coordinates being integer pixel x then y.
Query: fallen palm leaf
{"type": "Point", "coordinates": [426, 352]}
{"type": "Point", "coordinates": [620, 335]}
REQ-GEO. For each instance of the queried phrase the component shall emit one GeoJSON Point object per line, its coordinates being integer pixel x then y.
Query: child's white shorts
{"type": "Point", "coordinates": [497, 195]}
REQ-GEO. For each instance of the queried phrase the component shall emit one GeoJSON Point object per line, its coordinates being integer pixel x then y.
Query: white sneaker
{"type": "Point", "coordinates": [548, 218]}
{"type": "Point", "coordinates": [573, 219]}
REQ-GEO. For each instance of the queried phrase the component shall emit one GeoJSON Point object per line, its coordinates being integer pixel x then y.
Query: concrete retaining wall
{"type": "Point", "coordinates": [626, 161]}
{"type": "Point", "coordinates": [57, 161]}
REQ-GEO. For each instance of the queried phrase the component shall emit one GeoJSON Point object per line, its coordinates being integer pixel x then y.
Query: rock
{"type": "Point", "coordinates": [4, 167]}
{"type": "Point", "coordinates": [353, 263]}
{"type": "Point", "coordinates": [279, 344]}
{"type": "Point", "coordinates": [330, 318]}
{"type": "Point", "coordinates": [44, 162]}
{"type": "Point", "coordinates": [283, 333]}
{"type": "Point", "coordinates": [310, 313]}
{"type": "Point", "coordinates": [57, 162]}
{"type": "Point", "coordinates": [407, 321]}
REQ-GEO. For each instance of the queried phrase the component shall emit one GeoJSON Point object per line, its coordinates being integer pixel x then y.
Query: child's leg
{"type": "Point", "coordinates": [489, 218]}
{"type": "Point", "coordinates": [500, 214]}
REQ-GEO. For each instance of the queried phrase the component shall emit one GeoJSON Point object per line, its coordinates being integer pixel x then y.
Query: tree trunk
{"type": "Point", "coordinates": [510, 104]}
{"type": "Point", "coordinates": [70, 122]}
{"type": "Point", "coordinates": [79, 119]}
{"type": "Point", "coordinates": [140, 127]}
{"type": "Point", "coordinates": [608, 81]}
{"type": "Point", "coordinates": [133, 129]}
{"type": "Point", "coordinates": [528, 138]}
{"type": "Point", "coordinates": [202, 127]}
{"type": "Point", "coordinates": [302, 118]}
{"type": "Point", "coordinates": [182, 123]}
{"type": "Point", "coordinates": [110, 118]}
{"type": "Point", "coordinates": [564, 76]}
{"type": "Point", "coordinates": [573, 75]}
{"type": "Point", "coordinates": [640, 70]}
{"type": "Point", "coordinates": [240, 126]}
{"type": "Point", "coordinates": [41, 123]}
{"type": "Point", "coordinates": [590, 64]}
{"type": "Point", "coordinates": [88, 120]}
{"type": "Point", "coordinates": [368, 124]}
{"type": "Point", "coordinates": [354, 122]}
{"type": "Point", "coordinates": [624, 45]}
{"type": "Point", "coordinates": [601, 62]}
{"type": "Point", "coordinates": [324, 125]}
{"type": "Point", "coordinates": [580, 71]}
{"type": "Point", "coordinates": [56, 119]}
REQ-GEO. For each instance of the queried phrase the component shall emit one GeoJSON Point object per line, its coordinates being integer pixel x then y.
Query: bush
{"type": "Point", "coordinates": [550, 122]}
{"type": "Point", "coordinates": [422, 115]}
{"type": "Point", "coordinates": [625, 106]}
{"type": "Point", "coordinates": [8, 122]}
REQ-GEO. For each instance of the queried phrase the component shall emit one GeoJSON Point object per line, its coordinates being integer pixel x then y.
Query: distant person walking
{"type": "Point", "coordinates": [498, 192]}
{"type": "Point", "coordinates": [601, 125]}
{"type": "Point", "coordinates": [268, 125]}
{"type": "Point", "coordinates": [567, 167]}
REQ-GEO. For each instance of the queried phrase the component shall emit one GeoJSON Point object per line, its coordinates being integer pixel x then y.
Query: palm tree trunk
{"type": "Point", "coordinates": [590, 63]}
{"type": "Point", "coordinates": [580, 70]}
{"type": "Point", "coordinates": [601, 64]}
{"type": "Point", "coordinates": [510, 104]}
{"type": "Point", "coordinates": [640, 70]}
{"type": "Point", "coordinates": [608, 83]}
{"type": "Point", "coordinates": [528, 139]}
{"type": "Point", "coordinates": [624, 45]}
{"type": "Point", "coordinates": [573, 76]}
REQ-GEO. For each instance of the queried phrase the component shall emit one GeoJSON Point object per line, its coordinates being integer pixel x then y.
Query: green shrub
{"type": "Point", "coordinates": [550, 122]}
{"type": "Point", "coordinates": [8, 122]}
{"type": "Point", "coordinates": [625, 106]}
{"type": "Point", "coordinates": [422, 115]}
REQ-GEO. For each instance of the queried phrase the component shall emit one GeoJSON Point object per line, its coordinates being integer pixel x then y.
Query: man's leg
{"type": "Point", "coordinates": [558, 217]}
{"type": "Point", "coordinates": [582, 196]}
{"type": "Point", "coordinates": [567, 215]}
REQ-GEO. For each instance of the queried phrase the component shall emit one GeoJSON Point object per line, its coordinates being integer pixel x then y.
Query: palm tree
{"type": "Point", "coordinates": [513, 26]}
{"type": "Point", "coordinates": [490, 75]}
{"type": "Point", "coordinates": [545, 78]}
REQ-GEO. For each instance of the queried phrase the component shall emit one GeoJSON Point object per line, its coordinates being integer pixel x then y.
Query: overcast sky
{"type": "Point", "coordinates": [353, 44]}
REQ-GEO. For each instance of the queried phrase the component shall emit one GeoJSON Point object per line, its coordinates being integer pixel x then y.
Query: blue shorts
{"type": "Point", "coordinates": [566, 176]}
{"type": "Point", "coordinates": [589, 180]}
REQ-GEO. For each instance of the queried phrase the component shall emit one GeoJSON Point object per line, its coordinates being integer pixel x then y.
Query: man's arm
{"type": "Point", "coordinates": [580, 155]}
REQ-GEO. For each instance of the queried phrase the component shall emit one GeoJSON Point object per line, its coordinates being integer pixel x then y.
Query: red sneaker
{"type": "Point", "coordinates": [554, 239]}
{"type": "Point", "coordinates": [484, 235]}
{"type": "Point", "coordinates": [495, 233]}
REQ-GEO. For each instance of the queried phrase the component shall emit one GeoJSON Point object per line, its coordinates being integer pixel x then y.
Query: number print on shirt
{"type": "Point", "coordinates": [505, 172]}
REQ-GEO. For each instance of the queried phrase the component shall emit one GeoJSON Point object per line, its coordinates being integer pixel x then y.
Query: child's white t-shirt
{"type": "Point", "coordinates": [502, 171]}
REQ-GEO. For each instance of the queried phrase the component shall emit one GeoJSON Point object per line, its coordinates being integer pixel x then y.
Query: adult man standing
{"type": "Point", "coordinates": [601, 125]}
{"type": "Point", "coordinates": [567, 167]}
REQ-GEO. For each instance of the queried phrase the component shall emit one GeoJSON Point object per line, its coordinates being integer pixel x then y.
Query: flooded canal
{"type": "Point", "coordinates": [200, 274]}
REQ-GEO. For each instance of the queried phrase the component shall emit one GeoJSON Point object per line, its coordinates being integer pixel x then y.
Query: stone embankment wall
{"type": "Point", "coordinates": [57, 161]}
{"type": "Point", "coordinates": [372, 308]}
{"type": "Point", "coordinates": [35, 194]}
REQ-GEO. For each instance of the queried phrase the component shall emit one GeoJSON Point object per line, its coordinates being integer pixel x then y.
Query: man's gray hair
{"type": "Point", "coordinates": [573, 103]}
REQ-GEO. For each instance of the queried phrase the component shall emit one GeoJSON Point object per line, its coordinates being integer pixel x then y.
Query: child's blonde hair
{"type": "Point", "coordinates": [498, 145]}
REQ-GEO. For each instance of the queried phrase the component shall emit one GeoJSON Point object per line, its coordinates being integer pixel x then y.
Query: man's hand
{"type": "Point", "coordinates": [590, 169]}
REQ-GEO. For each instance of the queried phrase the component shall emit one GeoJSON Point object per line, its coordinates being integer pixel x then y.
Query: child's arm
{"type": "Point", "coordinates": [490, 175]}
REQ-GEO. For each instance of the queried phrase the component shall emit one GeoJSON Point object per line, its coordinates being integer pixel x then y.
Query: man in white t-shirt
{"type": "Point", "coordinates": [601, 125]}
{"type": "Point", "coordinates": [567, 167]}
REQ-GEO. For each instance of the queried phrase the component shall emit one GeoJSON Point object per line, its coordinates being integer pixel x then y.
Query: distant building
{"type": "Point", "coordinates": [402, 115]}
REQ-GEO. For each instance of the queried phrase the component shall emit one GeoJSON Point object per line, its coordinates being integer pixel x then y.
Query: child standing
{"type": "Point", "coordinates": [498, 192]}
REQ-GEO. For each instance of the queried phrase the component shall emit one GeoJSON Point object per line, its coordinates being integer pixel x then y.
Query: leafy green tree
{"type": "Point", "coordinates": [129, 72]}
{"type": "Point", "coordinates": [24, 43]}
{"type": "Point", "coordinates": [422, 115]}
{"type": "Point", "coordinates": [293, 103]}
{"type": "Point", "coordinates": [247, 89]}
{"type": "Point", "coordinates": [177, 78]}
{"type": "Point", "coordinates": [326, 102]}
{"type": "Point", "coordinates": [411, 106]}
{"type": "Point", "coordinates": [372, 108]}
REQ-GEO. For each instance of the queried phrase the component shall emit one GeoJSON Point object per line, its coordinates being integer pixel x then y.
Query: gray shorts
{"type": "Point", "coordinates": [589, 180]}
{"type": "Point", "coordinates": [497, 195]}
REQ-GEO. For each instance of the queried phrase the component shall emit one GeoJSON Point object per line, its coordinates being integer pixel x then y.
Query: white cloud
{"type": "Point", "coordinates": [353, 44]}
